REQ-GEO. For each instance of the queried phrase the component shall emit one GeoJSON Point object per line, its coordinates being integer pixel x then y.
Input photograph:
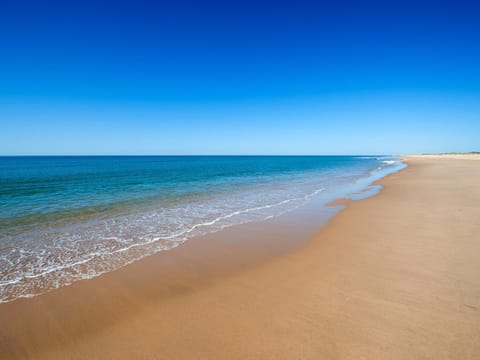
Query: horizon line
{"type": "Point", "coordinates": [178, 155]}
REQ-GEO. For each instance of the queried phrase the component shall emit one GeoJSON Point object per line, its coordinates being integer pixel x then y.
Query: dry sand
{"type": "Point", "coordinates": [396, 276]}
{"type": "Point", "coordinates": [451, 156]}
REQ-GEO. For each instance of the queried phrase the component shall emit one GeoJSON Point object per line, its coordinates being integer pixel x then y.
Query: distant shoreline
{"type": "Point", "coordinates": [459, 156]}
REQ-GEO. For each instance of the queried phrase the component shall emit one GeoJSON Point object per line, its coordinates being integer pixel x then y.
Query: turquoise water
{"type": "Point", "coordinates": [64, 219]}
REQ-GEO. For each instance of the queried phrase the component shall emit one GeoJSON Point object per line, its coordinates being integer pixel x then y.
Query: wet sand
{"type": "Point", "coordinates": [395, 276]}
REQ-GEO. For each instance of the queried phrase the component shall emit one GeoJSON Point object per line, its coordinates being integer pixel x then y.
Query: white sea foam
{"type": "Point", "coordinates": [50, 259]}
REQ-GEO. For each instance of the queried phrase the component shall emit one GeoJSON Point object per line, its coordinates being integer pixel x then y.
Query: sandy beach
{"type": "Point", "coordinates": [394, 276]}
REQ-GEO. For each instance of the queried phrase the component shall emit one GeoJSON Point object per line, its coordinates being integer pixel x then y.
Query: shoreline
{"type": "Point", "coordinates": [347, 293]}
{"type": "Point", "coordinates": [98, 257]}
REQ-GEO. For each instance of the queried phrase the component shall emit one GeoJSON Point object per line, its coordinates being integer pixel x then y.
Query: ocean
{"type": "Point", "coordinates": [67, 218]}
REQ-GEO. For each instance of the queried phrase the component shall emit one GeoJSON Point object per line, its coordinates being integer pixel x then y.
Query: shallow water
{"type": "Point", "coordinates": [64, 219]}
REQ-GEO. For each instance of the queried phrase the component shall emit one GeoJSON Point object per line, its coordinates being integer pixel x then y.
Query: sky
{"type": "Point", "coordinates": [239, 77]}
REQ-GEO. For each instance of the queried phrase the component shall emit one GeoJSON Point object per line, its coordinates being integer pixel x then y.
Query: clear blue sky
{"type": "Point", "coordinates": [174, 77]}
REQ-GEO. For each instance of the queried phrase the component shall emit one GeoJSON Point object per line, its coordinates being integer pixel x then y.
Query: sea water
{"type": "Point", "coordinates": [66, 218]}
